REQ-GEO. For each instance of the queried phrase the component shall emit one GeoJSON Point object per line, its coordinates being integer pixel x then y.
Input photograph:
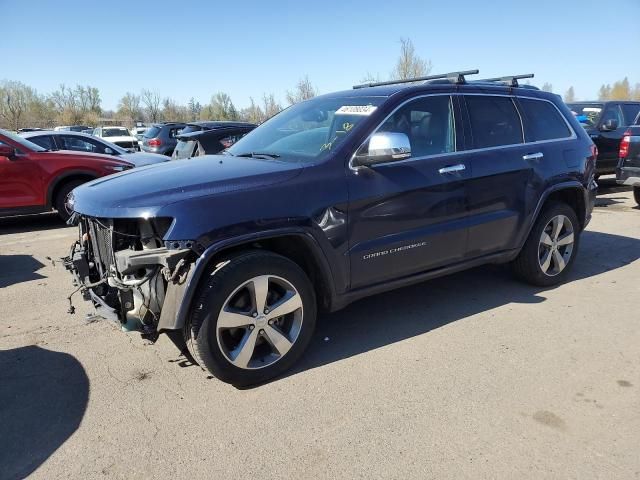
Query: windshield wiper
{"type": "Point", "coordinates": [258, 155]}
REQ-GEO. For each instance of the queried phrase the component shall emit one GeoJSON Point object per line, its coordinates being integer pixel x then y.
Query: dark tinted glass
{"type": "Point", "coordinates": [427, 122]}
{"type": "Point", "coordinates": [494, 121]}
{"type": "Point", "coordinates": [152, 132]}
{"type": "Point", "coordinates": [543, 120]}
{"type": "Point", "coordinates": [630, 112]}
{"type": "Point", "coordinates": [44, 141]}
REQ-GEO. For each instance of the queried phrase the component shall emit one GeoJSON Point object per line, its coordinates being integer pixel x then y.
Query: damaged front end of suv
{"type": "Point", "coordinates": [126, 269]}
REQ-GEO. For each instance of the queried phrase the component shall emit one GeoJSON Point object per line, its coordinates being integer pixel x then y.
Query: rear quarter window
{"type": "Point", "coordinates": [494, 121]}
{"type": "Point", "coordinates": [543, 121]}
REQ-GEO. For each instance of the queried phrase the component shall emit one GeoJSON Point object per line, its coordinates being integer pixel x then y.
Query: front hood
{"type": "Point", "coordinates": [142, 192]}
{"type": "Point", "coordinates": [142, 159]}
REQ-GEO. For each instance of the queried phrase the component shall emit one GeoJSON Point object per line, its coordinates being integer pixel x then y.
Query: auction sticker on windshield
{"type": "Point", "coordinates": [356, 110]}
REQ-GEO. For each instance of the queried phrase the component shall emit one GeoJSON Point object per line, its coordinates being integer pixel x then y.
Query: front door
{"type": "Point", "coordinates": [409, 216]}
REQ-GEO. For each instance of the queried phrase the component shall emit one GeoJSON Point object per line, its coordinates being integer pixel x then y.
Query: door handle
{"type": "Point", "coordinates": [533, 156]}
{"type": "Point", "coordinates": [453, 168]}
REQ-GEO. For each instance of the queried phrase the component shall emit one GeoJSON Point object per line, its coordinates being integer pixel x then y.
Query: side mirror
{"type": "Point", "coordinates": [108, 151]}
{"type": "Point", "coordinates": [383, 147]}
{"type": "Point", "coordinates": [7, 151]}
{"type": "Point", "coordinates": [609, 125]}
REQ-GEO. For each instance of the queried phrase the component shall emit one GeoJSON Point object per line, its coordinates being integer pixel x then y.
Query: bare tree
{"type": "Point", "coordinates": [13, 103]}
{"type": "Point", "coordinates": [570, 95]}
{"type": "Point", "coordinates": [621, 90]}
{"type": "Point", "coordinates": [129, 107]}
{"type": "Point", "coordinates": [253, 113]}
{"type": "Point", "coordinates": [304, 91]}
{"type": "Point", "coordinates": [220, 108]}
{"type": "Point", "coordinates": [270, 106]}
{"type": "Point", "coordinates": [604, 93]}
{"type": "Point", "coordinates": [151, 101]}
{"type": "Point", "coordinates": [547, 87]}
{"type": "Point", "coordinates": [409, 64]}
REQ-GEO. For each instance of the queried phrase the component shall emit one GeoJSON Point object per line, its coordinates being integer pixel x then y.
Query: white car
{"type": "Point", "coordinates": [121, 136]}
{"type": "Point", "coordinates": [138, 132]}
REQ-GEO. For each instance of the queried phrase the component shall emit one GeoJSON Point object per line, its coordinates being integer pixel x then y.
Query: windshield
{"type": "Point", "coordinates": [307, 131]}
{"type": "Point", "coordinates": [22, 141]}
{"type": "Point", "coordinates": [115, 132]}
{"type": "Point", "coordinates": [587, 114]}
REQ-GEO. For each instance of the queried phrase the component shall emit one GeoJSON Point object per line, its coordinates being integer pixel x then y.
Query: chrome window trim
{"type": "Point", "coordinates": [573, 135]}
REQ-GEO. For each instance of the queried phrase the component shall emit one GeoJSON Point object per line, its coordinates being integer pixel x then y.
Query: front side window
{"type": "Point", "coordinates": [612, 112]}
{"type": "Point", "coordinates": [308, 131]}
{"type": "Point", "coordinates": [76, 144]}
{"type": "Point", "coordinates": [428, 123]}
{"type": "Point", "coordinates": [543, 120]}
{"type": "Point", "coordinates": [494, 121]}
{"type": "Point", "coordinates": [588, 114]}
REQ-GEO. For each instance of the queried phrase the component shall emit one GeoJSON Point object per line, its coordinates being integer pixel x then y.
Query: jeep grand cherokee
{"type": "Point", "coordinates": [339, 197]}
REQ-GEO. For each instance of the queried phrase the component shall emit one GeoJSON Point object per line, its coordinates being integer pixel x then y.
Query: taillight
{"type": "Point", "coordinates": [154, 142]}
{"type": "Point", "coordinates": [594, 151]}
{"type": "Point", "coordinates": [624, 144]}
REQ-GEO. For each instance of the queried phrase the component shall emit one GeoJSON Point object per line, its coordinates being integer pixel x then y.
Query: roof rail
{"type": "Point", "coordinates": [454, 77]}
{"type": "Point", "coordinates": [511, 80]}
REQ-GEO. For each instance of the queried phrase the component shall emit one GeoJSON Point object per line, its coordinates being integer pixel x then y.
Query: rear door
{"type": "Point", "coordinates": [501, 173]}
{"type": "Point", "coordinates": [409, 216]}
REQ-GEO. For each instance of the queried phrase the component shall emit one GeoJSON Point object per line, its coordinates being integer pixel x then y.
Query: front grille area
{"type": "Point", "coordinates": [125, 144]}
{"type": "Point", "coordinates": [101, 241]}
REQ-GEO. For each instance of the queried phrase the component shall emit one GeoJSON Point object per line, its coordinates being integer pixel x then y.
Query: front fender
{"type": "Point", "coordinates": [179, 296]}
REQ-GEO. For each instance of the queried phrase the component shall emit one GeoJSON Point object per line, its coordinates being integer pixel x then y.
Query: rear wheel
{"type": "Point", "coordinates": [252, 319]}
{"type": "Point", "coordinates": [636, 194]}
{"type": "Point", "coordinates": [61, 200]}
{"type": "Point", "coordinates": [550, 249]}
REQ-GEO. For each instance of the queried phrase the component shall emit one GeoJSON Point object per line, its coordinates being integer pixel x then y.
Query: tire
{"type": "Point", "coordinates": [636, 195]}
{"type": "Point", "coordinates": [224, 318]}
{"type": "Point", "coordinates": [60, 199]}
{"type": "Point", "coordinates": [552, 251]}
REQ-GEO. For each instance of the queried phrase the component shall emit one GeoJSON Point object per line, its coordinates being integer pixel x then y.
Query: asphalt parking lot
{"type": "Point", "coordinates": [470, 376]}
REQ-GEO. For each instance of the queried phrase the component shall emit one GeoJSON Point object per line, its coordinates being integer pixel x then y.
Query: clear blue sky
{"type": "Point", "coordinates": [184, 48]}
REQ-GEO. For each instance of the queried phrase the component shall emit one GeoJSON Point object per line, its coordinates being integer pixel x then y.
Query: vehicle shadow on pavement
{"type": "Point", "coordinates": [395, 316]}
{"type": "Point", "coordinates": [18, 268]}
{"type": "Point", "coordinates": [31, 223]}
{"type": "Point", "coordinates": [43, 397]}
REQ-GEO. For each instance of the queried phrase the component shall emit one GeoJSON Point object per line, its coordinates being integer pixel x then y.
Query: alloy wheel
{"type": "Point", "coordinates": [556, 245]}
{"type": "Point", "coordinates": [259, 322]}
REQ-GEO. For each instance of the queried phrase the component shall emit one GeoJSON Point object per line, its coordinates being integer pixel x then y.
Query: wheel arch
{"type": "Point", "coordinates": [572, 193]}
{"type": "Point", "coordinates": [298, 246]}
{"type": "Point", "coordinates": [61, 180]}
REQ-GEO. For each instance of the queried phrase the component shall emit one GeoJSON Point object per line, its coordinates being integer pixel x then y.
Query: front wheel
{"type": "Point", "coordinates": [61, 201]}
{"type": "Point", "coordinates": [253, 317]}
{"type": "Point", "coordinates": [550, 249]}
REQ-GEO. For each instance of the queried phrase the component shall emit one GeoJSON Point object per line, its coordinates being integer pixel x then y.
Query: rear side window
{"type": "Point", "coordinates": [543, 121]}
{"type": "Point", "coordinates": [152, 132]}
{"type": "Point", "coordinates": [630, 112]}
{"type": "Point", "coordinates": [494, 121]}
{"type": "Point", "coordinates": [44, 141]}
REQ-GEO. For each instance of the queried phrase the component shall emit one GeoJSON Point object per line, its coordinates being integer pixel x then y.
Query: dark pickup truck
{"type": "Point", "coordinates": [628, 170]}
{"type": "Point", "coordinates": [606, 123]}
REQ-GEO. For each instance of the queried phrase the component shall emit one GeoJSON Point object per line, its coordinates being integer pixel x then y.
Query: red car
{"type": "Point", "coordinates": [34, 179]}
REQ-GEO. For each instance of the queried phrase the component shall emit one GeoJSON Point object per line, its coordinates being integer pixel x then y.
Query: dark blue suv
{"type": "Point", "coordinates": [340, 197]}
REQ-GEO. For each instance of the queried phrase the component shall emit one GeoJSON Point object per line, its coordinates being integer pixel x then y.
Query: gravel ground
{"type": "Point", "coordinates": [469, 376]}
